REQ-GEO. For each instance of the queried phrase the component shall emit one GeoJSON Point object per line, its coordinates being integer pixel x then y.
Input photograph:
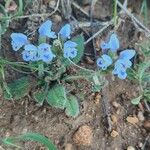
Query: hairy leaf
{"type": "Point", "coordinates": [142, 68]}
{"type": "Point", "coordinates": [18, 89]}
{"type": "Point", "coordinates": [57, 96]}
{"type": "Point", "coordinates": [39, 97]}
{"type": "Point", "coordinates": [72, 106]}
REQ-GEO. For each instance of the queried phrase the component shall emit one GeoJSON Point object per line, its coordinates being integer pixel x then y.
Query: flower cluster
{"type": "Point", "coordinates": [44, 50]}
{"type": "Point", "coordinates": [122, 63]}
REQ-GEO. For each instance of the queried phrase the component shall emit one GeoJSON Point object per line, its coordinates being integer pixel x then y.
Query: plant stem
{"type": "Point", "coordinates": [115, 12]}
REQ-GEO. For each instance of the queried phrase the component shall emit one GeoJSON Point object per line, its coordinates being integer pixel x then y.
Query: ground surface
{"type": "Point", "coordinates": [25, 115]}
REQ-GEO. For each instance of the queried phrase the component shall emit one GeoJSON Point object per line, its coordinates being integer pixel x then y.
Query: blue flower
{"type": "Point", "coordinates": [44, 52]}
{"type": "Point", "coordinates": [120, 72]}
{"type": "Point", "coordinates": [45, 30]}
{"type": "Point", "coordinates": [18, 40]}
{"type": "Point", "coordinates": [123, 63]}
{"type": "Point", "coordinates": [104, 61]}
{"type": "Point", "coordinates": [30, 53]}
{"type": "Point", "coordinates": [127, 54]}
{"type": "Point", "coordinates": [65, 31]}
{"type": "Point", "coordinates": [69, 49]}
{"type": "Point", "coordinates": [112, 44]}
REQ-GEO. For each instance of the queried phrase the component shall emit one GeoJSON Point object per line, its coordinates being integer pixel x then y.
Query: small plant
{"type": "Point", "coordinates": [49, 58]}
{"type": "Point", "coordinates": [109, 57]}
{"type": "Point", "coordinates": [36, 137]}
{"type": "Point", "coordinates": [141, 74]}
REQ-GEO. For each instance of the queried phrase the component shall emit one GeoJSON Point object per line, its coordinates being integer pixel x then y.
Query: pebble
{"type": "Point", "coordinates": [146, 125]}
{"type": "Point", "coordinates": [57, 18]}
{"type": "Point", "coordinates": [140, 144]}
{"type": "Point", "coordinates": [132, 120]}
{"type": "Point", "coordinates": [68, 146]}
{"type": "Point", "coordinates": [89, 60]}
{"type": "Point", "coordinates": [97, 98]}
{"type": "Point", "coordinates": [115, 104]}
{"type": "Point", "coordinates": [114, 133]}
{"type": "Point", "coordinates": [83, 136]}
{"type": "Point", "coordinates": [52, 3]}
{"type": "Point", "coordinates": [118, 111]}
{"type": "Point", "coordinates": [130, 148]}
{"type": "Point", "coordinates": [114, 119]}
{"type": "Point", "coordinates": [141, 116]}
{"type": "Point", "coordinates": [12, 6]}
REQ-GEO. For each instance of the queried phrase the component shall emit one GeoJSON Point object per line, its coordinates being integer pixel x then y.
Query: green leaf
{"type": "Point", "coordinates": [132, 74]}
{"type": "Point", "coordinates": [80, 50]}
{"type": "Point", "coordinates": [32, 137]}
{"type": "Point", "coordinates": [39, 97]}
{"type": "Point", "coordinates": [57, 96]}
{"type": "Point", "coordinates": [136, 101]}
{"type": "Point", "coordinates": [142, 68]}
{"type": "Point", "coordinates": [18, 89]}
{"type": "Point", "coordinates": [72, 106]}
{"type": "Point", "coordinates": [20, 10]}
{"type": "Point", "coordinates": [4, 23]}
{"type": "Point", "coordinates": [80, 47]}
{"type": "Point", "coordinates": [97, 83]}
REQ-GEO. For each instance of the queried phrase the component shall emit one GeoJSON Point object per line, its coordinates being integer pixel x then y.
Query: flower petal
{"type": "Point", "coordinates": [123, 63]}
{"type": "Point", "coordinates": [107, 59]}
{"type": "Point", "coordinates": [113, 42]}
{"type": "Point", "coordinates": [104, 45]}
{"type": "Point", "coordinates": [18, 40]}
{"type": "Point", "coordinates": [44, 52]}
{"type": "Point", "coordinates": [100, 62]}
{"type": "Point", "coordinates": [70, 52]}
{"type": "Point", "coordinates": [104, 61]}
{"type": "Point", "coordinates": [45, 29]}
{"type": "Point", "coordinates": [65, 31]}
{"type": "Point", "coordinates": [70, 44]}
{"type": "Point", "coordinates": [30, 53]}
{"type": "Point", "coordinates": [122, 75]}
{"type": "Point", "coordinates": [127, 54]}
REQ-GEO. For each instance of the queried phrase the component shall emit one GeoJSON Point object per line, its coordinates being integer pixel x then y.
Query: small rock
{"type": "Point", "coordinates": [83, 136]}
{"type": "Point", "coordinates": [7, 134]}
{"type": "Point", "coordinates": [68, 146]}
{"type": "Point", "coordinates": [12, 6]}
{"type": "Point", "coordinates": [97, 98]}
{"type": "Point", "coordinates": [146, 125]}
{"type": "Point", "coordinates": [118, 111]}
{"type": "Point", "coordinates": [114, 119]}
{"type": "Point", "coordinates": [114, 133]}
{"type": "Point", "coordinates": [115, 104]}
{"type": "Point", "coordinates": [130, 148]}
{"type": "Point", "coordinates": [140, 144]}
{"type": "Point", "coordinates": [89, 60]}
{"type": "Point", "coordinates": [141, 116]}
{"type": "Point", "coordinates": [57, 18]}
{"type": "Point", "coordinates": [52, 3]}
{"type": "Point", "coordinates": [132, 120]}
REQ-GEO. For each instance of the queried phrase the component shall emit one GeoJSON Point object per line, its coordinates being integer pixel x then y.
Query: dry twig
{"type": "Point", "coordinates": [78, 7]}
{"type": "Point", "coordinates": [146, 30]}
{"type": "Point", "coordinates": [99, 32]}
